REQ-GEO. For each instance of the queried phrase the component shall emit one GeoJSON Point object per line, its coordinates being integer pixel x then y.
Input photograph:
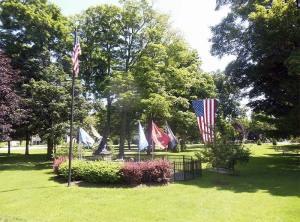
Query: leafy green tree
{"type": "Point", "coordinates": [114, 39]}
{"type": "Point", "coordinates": [143, 69]}
{"type": "Point", "coordinates": [264, 37]}
{"type": "Point", "coordinates": [50, 100]}
{"type": "Point", "coordinates": [100, 29]}
{"type": "Point", "coordinates": [262, 126]}
{"type": "Point", "coordinates": [228, 96]}
{"type": "Point", "coordinates": [33, 34]}
{"type": "Point", "coordinates": [224, 154]}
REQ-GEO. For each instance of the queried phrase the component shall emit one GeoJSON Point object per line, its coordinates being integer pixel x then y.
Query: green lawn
{"type": "Point", "coordinates": [267, 189]}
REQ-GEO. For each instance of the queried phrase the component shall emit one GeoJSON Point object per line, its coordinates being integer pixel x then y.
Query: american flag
{"type": "Point", "coordinates": [206, 117]}
{"type": "Point", "coordinates": [75, 54]}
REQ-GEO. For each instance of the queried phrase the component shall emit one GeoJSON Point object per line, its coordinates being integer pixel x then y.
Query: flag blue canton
{"type": "Point", "coordinates": [198, 107]}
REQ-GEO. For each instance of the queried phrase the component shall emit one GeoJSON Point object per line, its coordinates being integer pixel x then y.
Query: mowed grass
{"type": "Point", "coordinates": [266, 189]}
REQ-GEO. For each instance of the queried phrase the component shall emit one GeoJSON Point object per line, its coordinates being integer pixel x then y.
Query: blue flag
{"type": "Point", "coordinates": [143, 143]}
{"type": "Point", "coordinates": [85, 138]}
{"type": "Point", "coordinates": [173, 140]}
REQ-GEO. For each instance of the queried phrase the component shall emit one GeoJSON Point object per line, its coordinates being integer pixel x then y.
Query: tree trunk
{"type": "Point", "coordinates": [106, 132]}
{"type": "Point", "coordinates": [8, 147]}
{"type": "Point", "coordinates": [128, 132]}
{"type": "Point", "coordinates": [129, 144]}
{"type": "Point", "coordinates": [122, 134]}
{"type": "Point", "coordinates": [27, 143]}
{"type": "Point", "coordinates": [50, 146]}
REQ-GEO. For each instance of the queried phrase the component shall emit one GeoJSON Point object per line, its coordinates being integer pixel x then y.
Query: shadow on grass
{"type": "Point", "coordinates": [21, 162]}
{"type": "Point", "coordinates": [84, 184]}
{"type": "Point", "coordinates": [27, 188]}
{"type": "Point", "coordinates": [273, 174]}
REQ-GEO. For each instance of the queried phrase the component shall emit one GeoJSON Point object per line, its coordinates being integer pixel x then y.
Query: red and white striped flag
{"type": "Point", "coordinates": [75, 55]}
{"type": "Point", "coordinates": [206, 117]}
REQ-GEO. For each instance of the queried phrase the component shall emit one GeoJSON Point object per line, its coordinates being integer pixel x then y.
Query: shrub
{"type": "Point", "coordinates": [295, 139]}
{"type": "Point", "coordinates": [57, 162]}
{"type": "Point", "coordinates": [154, 171]}
{"type": "Point", "coordinates": [132, 173]}
{"type": "Point", "coordinates": [274, 141]}
{"type": "Point", "coordinates": [224, 154]}
{"type": "Point", "coordinates": [92, 171]}
{"type": "Point", "coordinates": [259, 142]}
{"type": "Point", "coordinates": [182, 145]}
{"type": "Point", "coordinates": [63, 150]}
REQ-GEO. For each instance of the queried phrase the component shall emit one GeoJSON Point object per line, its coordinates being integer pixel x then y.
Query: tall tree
{"type": "Point", "coordinates": [100, 28]}
{"type": "Point", "coordinates": [50, 101]}
{"type": "Point", "coordinates": [228, 96]}
{"type": "Point", "coordinates": [146, 70]}
{"type": "Point", "coordinates": [33, 34]}
{"type": "Point", "coordinates": [264, 37]}
{"type": "Point", "coordinates": [114, 39]}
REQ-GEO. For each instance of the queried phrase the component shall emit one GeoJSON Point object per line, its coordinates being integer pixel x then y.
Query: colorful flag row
{"type": "Point", "coordinates": [161, 138]}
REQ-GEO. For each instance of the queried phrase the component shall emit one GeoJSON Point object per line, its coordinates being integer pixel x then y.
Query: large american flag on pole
{"type": "Point", "coordinates": [206, 117]}
{"type": "Point", "coordinates": [75, 55]}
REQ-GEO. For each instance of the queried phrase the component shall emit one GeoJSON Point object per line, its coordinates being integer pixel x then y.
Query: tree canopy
{"type": "Point", "coordinates": [264, 37]}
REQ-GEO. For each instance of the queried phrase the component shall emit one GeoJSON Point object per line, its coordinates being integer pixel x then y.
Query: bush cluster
{"type": "Point", "coordinates": [154, 171]}
{"type": "Point", "coordinates": [57, 162]}
{"type": "Point", "coordinates": [92, 171]}
{"type": "Point", "coordinates": [224, 154]}
{"type": "Point", "coordinates": [259, 142]}
{"type": "Point", "coordinates": [133, 173]}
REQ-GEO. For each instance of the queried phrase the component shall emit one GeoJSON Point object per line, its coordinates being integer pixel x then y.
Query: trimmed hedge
{"type": "Point", "coordinates": [92, 171]}
{"type": "Point", "coordinates": [154, 171]}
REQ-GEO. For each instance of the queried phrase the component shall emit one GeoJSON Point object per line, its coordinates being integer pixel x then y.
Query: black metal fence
{"type": "Point", "coordinates": [186, 170]}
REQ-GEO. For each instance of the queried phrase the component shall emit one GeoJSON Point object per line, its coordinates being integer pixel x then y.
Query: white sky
{"type": "Point", "coordinates": [192, 18]}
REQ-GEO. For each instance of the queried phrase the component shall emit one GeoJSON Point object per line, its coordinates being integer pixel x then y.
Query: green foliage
{"type": "Point", "coordinates": [32, 33]}
{"type": "Point", "coordinates": [259, 142]}
{"type": "Point", "coordinates": [295, 139]}
{"type": "Point", "coordinates": [224, 154]}
{"type": "Point", "coordinates": [35, 34]}
{"type": "Point", "coordinates": [151, 73]}
{"type": "Point", "coordinates": [63, 150]}
{"type": "Point", "coordinates": [262, 126]}
{"type": "Point", "coordinates": [228, 96]}
{"type": "Point", "coordinates": [264, 37]}
{"type": "Point", "coordinates": [182, 145]}
{"type": "Point", "coordinates": [92, 171]}
{"type": "Point", "coordinates": [49, 100]}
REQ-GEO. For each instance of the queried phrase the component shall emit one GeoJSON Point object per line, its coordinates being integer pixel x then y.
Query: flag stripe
{"type": "Point", "coordinates": [75, 56]}
{"type": "Point", "coordinates": [206, 118]}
